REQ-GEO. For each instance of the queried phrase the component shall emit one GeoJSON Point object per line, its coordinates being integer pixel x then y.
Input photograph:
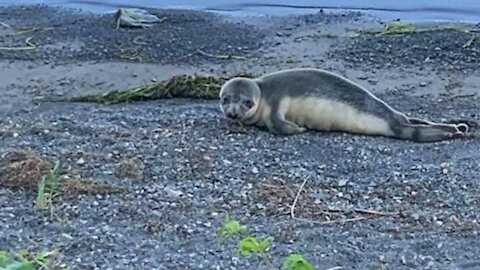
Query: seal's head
{"type": "Point", "coordinates": [239, 98]}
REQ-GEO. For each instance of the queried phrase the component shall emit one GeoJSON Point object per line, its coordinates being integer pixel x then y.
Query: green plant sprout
{"type": "Point", "coordinates": [21, 261]}
{"type": "Point", "coordinates": [250, 245]}
{"type": "Point", "coordinates": [296, 262]}
{"type": "Point", "coordinates": [231, 227]}
{"type": "Point", "coordinates": [48, 188]}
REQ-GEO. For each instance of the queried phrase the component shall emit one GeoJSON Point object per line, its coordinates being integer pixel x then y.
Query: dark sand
{"type": "Point", "coordinates": [186, 146]}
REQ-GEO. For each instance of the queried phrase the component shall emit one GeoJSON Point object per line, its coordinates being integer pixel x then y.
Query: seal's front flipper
{"type": "Point", "coordinates": [283, 126]}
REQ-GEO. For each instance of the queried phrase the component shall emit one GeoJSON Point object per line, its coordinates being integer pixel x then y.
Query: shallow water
{"type": "Point", "coordinates": [411, 10]}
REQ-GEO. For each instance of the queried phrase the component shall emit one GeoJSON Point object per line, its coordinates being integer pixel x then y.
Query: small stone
{"type": "Point", "coordinates": [373, 81]}
{"type": "Point", "coordinates": [444, 165]}
{"type": "Point", "coordinates": [227, 162]}
{"type": "Point", "coordinates": [67, 236]}
{"type": "Point", "coordinates": [255, 170]}
{"type": "Point", "coordinates": [80, 161]}
{"type": "Point", "coordinates": [172, 192]}
{"type": "Point", "coordinates": [342, 183]}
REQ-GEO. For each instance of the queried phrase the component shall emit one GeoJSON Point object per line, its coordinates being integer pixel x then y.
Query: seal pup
{"type": "Point", "coordinates": [295, 100]}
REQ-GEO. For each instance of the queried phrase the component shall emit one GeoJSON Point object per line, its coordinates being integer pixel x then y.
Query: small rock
{"type": "Point", "coordinates": [80, 161]}
{"type": "Point", "coordinates": [444, 165]}
{"type": "Point", "coordinates": [227, 162]}
{"type": "Point", "coordinates": [373, 81]}
{"type": "Point", "coordinates": [423, 84]}
{"type": "Point", "coordinates": [134, 17]}
{"type": "Point", "coordinates": [172, 192]}
{"type": "Point", "coordinates": [342, 183]}
{"type": "Point", "coordinates": [416, 216]}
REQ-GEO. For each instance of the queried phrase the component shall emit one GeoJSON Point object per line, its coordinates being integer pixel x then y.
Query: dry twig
{"type": "Point", "coordinates": [30, 46]}
{"type": "Point", "coordinates": [221, 56]}
{"type": "Point", "coordinates": [471, 40]}
{"type": "Point", "coordinates": [292, 207]}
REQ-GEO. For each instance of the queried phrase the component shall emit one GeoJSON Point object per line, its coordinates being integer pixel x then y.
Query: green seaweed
{"type": "Point", "coordinates": [180, 86]}
{"type": "Point", "coordinates": [401, 28]}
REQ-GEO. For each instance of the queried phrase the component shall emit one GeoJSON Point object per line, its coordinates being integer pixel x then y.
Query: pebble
{"type": "Point", "coordinates": [342, 182]}
{"type": "Point", "coordinates": [171, 192]}
{"type": "Point", "coordinates": [80, 161]}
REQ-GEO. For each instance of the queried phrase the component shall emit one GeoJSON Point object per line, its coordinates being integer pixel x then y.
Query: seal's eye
{"type": "Point", "coordinates": [248, 103]}
{"type": "Point", "coordinates": [225, 100]}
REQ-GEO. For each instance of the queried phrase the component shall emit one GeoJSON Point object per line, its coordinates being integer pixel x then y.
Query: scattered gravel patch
{"type": "Point", "coordinates": [195, 170]}
{"type": "Point", "coordinates": [66, 35]}
{"type": "Point", "coordinates": [439, 50]}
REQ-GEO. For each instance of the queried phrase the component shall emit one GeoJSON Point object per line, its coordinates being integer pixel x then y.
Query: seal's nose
{"type": "Point", "coordinates": [232, 116]}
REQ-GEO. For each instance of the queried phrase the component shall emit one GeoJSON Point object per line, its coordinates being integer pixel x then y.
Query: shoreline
{"type": "Point", "coordinates": [183, 168]}
{"type": "Point", "coordinates": [438, 14]}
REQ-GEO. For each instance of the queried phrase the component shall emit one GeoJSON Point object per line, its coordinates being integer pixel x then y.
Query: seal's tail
{"type": "Point", "coordinates": [433, 132]}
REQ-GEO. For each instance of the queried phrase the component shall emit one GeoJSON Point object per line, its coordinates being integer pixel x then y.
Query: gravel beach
{"type": "Point", "coordinates": [170, 171]}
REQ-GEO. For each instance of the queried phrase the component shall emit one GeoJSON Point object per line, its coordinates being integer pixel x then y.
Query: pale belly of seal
{"type": "Point", "coordinates": [329, 115]}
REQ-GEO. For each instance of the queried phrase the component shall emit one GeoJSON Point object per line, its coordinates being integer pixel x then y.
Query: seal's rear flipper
{"type": "Point", "coordinates": [469, 123]}
{"type": "Point", "coordinates": [430, 132]}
